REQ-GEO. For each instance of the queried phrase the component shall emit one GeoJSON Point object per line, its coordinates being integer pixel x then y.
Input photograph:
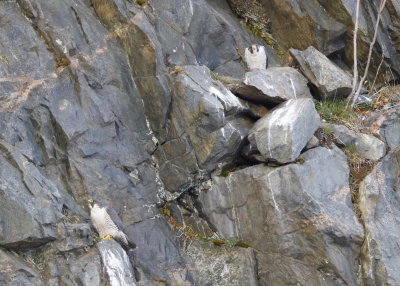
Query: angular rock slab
{"type": "Point", "coordinates": [329, 80]}
{"type": "Point", "coordinates": [204, 108]}
{"type": "Point", "coordinates": [221, 265]}
{"type": "Point", "coordinates": [15, 272]}
{"type": "Point", "coordinates": [284, 132]}
{"type": "Point", "coordinates": [367, 146]}
{"type": "Point", "coordinates": [380, 209]}
{"type": "Point", "coordinates": [117, 264]}
{"type": "Point", "coordinates": [370, 147]}
{"type": "Point", "coordinates": [297, 217]}
{"type": "Point", "coordinates": [272, 86]}
{"type": "Point", "coordinates": [390, 128]}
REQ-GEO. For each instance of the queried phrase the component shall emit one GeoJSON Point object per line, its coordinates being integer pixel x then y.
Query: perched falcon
{"type": "Point", "coordinates": [256, 57]}
{"type": "Point", "coordinates": [107, 222]}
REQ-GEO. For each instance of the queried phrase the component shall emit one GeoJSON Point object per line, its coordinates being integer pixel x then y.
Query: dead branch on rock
{"type": "Point", "coordinates": [356, 91]}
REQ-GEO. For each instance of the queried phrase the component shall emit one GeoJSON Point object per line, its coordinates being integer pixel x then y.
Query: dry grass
{"type": "Point", "coordinates": [106, 11]}
{"type": "Point", "coordinates": [359, 169]}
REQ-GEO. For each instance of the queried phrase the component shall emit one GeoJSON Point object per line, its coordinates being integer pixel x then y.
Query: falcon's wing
{"type": "Point", "coordinates": [115, 218]}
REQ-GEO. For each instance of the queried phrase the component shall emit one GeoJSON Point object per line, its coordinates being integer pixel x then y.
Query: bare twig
{"type": "Point", "coordinates": [355, 65]}
{"type": "Point", "coordinates": [371, 46]}
{"type": "Point", "coordinates": [377, 72]}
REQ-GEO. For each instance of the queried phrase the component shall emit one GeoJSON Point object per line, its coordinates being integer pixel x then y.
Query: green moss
{"type": "Point", "coordinates": [218, 241]}
{"type": "Point", "coordinates": [336, 9]}
{"type": "Point", "coordinates": [225, 173]}
{"type": "Point", "coordinates": [242, 244]}
{"type": "Point", "coordinates": [4, 59]}
{"type": "Point", "coordinates": [141, 2]}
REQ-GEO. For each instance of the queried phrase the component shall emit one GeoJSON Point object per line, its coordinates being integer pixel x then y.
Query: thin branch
{"type": "Point", "coordinates": [371, 46]}
{"type": "Point", "coordinates": [377, 72]}
{"type": "Point", "coordinates": [355, 64]}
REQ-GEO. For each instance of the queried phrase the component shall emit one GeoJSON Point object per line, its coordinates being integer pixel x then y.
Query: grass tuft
{"type": "Point", "coordinates": [335, 111]}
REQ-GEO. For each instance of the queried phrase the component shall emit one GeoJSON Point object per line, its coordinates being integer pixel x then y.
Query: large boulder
{"type": "Point", "coordinates": [283, 133]}
{"type": "Point", "coordinates": [329, 80]}
{"type": "Point", "coordinates": [299, 218]}
{"type": "Point", "coordinates": [380, 210]}
{"type": "Point", "coordinates": [272, 86]}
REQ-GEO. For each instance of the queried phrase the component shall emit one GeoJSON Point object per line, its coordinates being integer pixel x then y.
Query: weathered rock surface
{"type": "Point", "coordinates": [284, 132]}
{"type": "Point", "coordinates": [116, 263]}
{"type": "Point", "coordinates": [272, 86]}
{"type": "Point", "coordinates": [206, 124]}
{"type": "Point", "coordinates": [221, 265]}
{"type": "Point", "coordinates": [370, 147]}
{"type": "Point", "coordinates": [298, 218]}
{"type": "Point", "coordinates": [367, 145]}
{"type": "Point", "coordinates": [329, 80]}
{"type": "Point", "coordinates": [14, 271]}
{"type": "Point", "coordinates": [343, 135]}
{"type": "Point", "coordinates": [389, 127]}
{"type": "Point", "coordinates": [380, 209]}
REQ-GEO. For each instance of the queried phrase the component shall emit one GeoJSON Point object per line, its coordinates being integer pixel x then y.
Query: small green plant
{"type": "Point", "coordinates": [351, 149]}
{"type": "Point", "coordinates": [215, 76]}
{"type": "Point", "coordinates": [335, 111]}
{"type": "Point", "coordinates": [141, 2]}
{"type": "Point", "coordinates": [327, 130]}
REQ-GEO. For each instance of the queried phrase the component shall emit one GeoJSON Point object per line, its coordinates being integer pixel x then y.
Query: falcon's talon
{"type": "Point", "coordinates": [108, 236]}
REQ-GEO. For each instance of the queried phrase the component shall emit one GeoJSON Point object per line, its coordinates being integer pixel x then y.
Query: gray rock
{"type": "Point", "coordinates": [222, 265]}
{"type": "Point", "coordinates": [314, 142]}
{"type": "Point", "coordinates": [14, 271]}
{"type": "Point", "coordinates": [343, 135]}
{"type": "Point", "coordinates": [274, 85]}
{"type": "Point", "coordinates": [284, 132]}
{"type": "Point", "coordinates": [205, 107]}
{"type": "Point", "coordinates": [116, 263]}
{"type": "Point", "coordinates": [390, 129]}
{"type": "Point", "coordinates": [29, 207]}
{"type": "Point", "coordinates": [298, 218]}
{"type": "Point", "coordinates": [370, 147]}
{"type": "Point", "coordinates": [329, 80]}
{"type": "Point", "coordinates": [380, 212]}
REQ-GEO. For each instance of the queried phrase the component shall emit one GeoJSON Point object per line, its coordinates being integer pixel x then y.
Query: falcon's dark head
{"type": "Point", "coordinates": [92, 203]}
{"type": "Point", "coordinates": [253, 48]}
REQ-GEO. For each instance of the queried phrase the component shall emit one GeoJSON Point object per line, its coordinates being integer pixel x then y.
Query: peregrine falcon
{"type": "Point", "coordinates": [107, 222]}
{"type": "Point", "coordinates": [256, 57]}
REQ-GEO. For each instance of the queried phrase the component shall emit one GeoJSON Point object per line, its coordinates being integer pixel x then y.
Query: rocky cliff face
{"type": "Point", "coordinates": [135, 105]}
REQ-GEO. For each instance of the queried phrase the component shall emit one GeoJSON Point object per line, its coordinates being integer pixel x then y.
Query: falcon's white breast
{"type": "Point", "coordinates": [256, 57]}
